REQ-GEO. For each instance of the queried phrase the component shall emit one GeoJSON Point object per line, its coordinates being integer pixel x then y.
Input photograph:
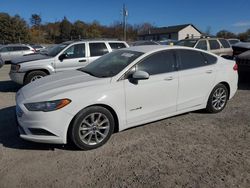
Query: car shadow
{"type": "Point", "coordinates": [9, 86]}
{"type": "Point", "coordinates": [9, 136]}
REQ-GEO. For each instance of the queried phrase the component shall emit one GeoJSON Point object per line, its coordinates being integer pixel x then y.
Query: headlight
{"type": "Point", "coordinates": [15, 67]}
{"type": "Point", "coordinates": [47, 106]}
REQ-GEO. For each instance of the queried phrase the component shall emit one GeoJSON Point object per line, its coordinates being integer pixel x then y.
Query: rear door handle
{"type": "Point", "coordinates": [169, 78]}
{"type": "Point", "coordinates": [209, 71]}
{"type": "Point", "coordinates": [82, 60]}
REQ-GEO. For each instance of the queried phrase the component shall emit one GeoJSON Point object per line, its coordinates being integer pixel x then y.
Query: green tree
{"type": "Point", "coordinates": [79, 30]}
{"type": "Point", "coordinates": [226, 34]}
{"type": "Point", "coordinates": [13, 29]}
{"type": "Point", "coordinates": [65, 29]}
{"type": "Point", "coordinates": [35, 20]}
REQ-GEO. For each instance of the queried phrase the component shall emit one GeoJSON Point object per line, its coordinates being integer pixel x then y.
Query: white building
{"type": "Point", "coordinates": [177, 32]}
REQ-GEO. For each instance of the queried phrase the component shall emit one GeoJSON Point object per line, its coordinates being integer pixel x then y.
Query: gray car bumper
{"type": "Point", "coordinates": [17, 77]}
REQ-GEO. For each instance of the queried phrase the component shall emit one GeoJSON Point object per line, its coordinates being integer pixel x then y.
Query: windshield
{"type": "Point", "coordinates": [111, 64]}
{"type": "Point", "coordinates": [188, 43]}
{"type": "Point", "coordinates": [56, 49]}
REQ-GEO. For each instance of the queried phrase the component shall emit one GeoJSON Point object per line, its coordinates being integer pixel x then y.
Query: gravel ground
{"type": "Point", "coordinates": [191, 150]}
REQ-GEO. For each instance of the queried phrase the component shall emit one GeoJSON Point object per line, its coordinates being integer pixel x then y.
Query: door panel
{"type": "Point", "coordinates": [151, 98]}
{"type": "Point", "coordinates": [75, 59]}
{"type": "Point", "coordinates": [194, 86]}
{"type": "Point", "coordinates": [196, 78]}
{"type": "Point", "coordinates": [155, 97]}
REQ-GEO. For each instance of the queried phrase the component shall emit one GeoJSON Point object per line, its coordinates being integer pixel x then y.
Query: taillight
{"type": "Point", "coordinates": [235, 68]}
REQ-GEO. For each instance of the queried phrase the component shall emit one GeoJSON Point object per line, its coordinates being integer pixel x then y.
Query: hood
{"type": "Point", "coordinates": [245, 55]}
{"type": "Point", "coordinates": [243, 45]}
{"type": "Point", "coordinates": [51, 86]}
{"type": "Point", "coordinates": [30, 57]}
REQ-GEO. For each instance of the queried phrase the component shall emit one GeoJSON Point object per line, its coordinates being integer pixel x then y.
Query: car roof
{"type": "Point", "coordinates": [92, 40]}
{"type": "Point", "coordinates": [151, 48]}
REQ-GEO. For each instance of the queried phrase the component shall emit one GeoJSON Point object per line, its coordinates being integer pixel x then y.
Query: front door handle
{"type": "Point", "coordinates": [169, 78]}
{"type": "Point", "coordinates": [209, 71]}
{"type": "Point", "coordinates": [82, 60]}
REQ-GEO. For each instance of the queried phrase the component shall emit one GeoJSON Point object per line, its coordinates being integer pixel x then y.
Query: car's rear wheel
{"type": "Point", "coordinates": [92, 127]}
{"type": "Point", "coordinates": [33, 76]}
{"type": "Point", "coordinates": [217, 99]}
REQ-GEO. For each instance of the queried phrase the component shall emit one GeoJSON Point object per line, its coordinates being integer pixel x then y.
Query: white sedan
{"type": "Point", "coordinates": [123, 89]}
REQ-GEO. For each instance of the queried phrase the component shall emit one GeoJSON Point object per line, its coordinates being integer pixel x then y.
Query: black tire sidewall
{"type": "Point", "coordinates": [74, 131]}
{"type": "Point", "coordinates": [210, 107]}
{"type": "Point", "coordinates": [30, 75]}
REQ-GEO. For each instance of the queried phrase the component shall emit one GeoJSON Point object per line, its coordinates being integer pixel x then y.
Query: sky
{"type": "Point", "coordinates": [215, 15]}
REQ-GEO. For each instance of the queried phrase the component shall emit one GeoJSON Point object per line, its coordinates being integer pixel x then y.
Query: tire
{"type": "Point", "coordinates": [92, 127]}
{"type": "Point", "coordinates": [217, 99]}
{"type": "Point", "coordinates": [34, 75]}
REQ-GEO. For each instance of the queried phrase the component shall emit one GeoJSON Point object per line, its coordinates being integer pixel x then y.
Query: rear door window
{"type": "Point", "coordinates": [25, 48]}
{"type": "Point", "coordinates": [190, 59]}
{"type": "Point", "coordinates": [202, 44]}
{"type": "Point", "coordinates": [97, 49]}
{"type": "Point", "coordinates": [214, 44]}
{"type": "Point", "coordinates": [17, 48]}
{"type": "Point", "coordinates": [224, 43]}
{"type": "Point", "coordinates": [117, 45]}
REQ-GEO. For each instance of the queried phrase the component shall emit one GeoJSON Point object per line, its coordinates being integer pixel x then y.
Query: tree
{"type": "Point", "coordinates": [65, 29]}
{"type": "Point", "coordinates": [13, 29]}
{"type": "Point", "coordinates": [35, 20]}
{"type": "Point", "coordinates": [79, 30]}
{"type": "Point", "coordinates": [225, 34]}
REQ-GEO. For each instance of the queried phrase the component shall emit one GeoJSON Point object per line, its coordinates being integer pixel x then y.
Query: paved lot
{"type": "Point", "coordinates": [190, 150]}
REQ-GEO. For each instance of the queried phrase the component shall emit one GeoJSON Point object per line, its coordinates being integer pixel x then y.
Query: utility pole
{"type": "Point", "coordinates": [125, 15]}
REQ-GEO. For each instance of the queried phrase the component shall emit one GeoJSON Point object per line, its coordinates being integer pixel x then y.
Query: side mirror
{"type": "Point", "coordinates": [62, 57]}
{"type": "Point", "coordinates": [140, 75]}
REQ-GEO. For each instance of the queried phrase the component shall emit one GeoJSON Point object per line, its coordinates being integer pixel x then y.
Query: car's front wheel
{"type": "Point", "coordinates": [217, 99]}
{"type": "Point", "coordinates": [92, 127]}
{"type": "Point", "coordinates": [33, 76]}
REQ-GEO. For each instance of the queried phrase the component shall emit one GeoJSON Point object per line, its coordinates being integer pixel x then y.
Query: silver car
{"type": "Point", "coordinates": [66, 56]}
{"type": "Point", "coordinates": [9, 52]}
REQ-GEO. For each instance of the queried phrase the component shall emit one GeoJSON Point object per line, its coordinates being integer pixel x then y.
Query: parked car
{"type": "Point", "coordinates": [65, 56]}
{"type": "Point", "coordinates": [168, 42]}
{"type": "Point", "coordinates": [123, 89]}
{"type": "Point", "coordinates": [218, 46]}
{"type": "Point", "coordinates": [38, 47]}
{"type": "Point", "coordinates": [9, 52]}
{"type": "Point", "coordinates": [240, 48]}
{"type": "Point", "coordinates": [1, 62]}
{"type": "Point", "coordinates": [243, 61]}
{"type": "Point", "coordinates": [144, 42]}
{"type": "Point", "coordinates": [233, 41]}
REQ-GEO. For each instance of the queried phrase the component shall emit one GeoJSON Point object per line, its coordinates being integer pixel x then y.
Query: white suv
{"type": "Point", "coordinates": [69, 55]}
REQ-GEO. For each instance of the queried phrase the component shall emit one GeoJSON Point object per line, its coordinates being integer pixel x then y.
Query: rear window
{"type": "Point", "coordinates": [209, 58]}
{"type": "Point", "coordinates": [116, 45]}
{"type": "Point", "coordinates": [224, 43]}
{"type": "Point", "coordinates": [202, 44]}
{"type": "Point", "coordinates": [188, 43]}
{"type": "Point", "coordinates": [97, 49]}
{"type": "Point", "coordinates": [214, 44]}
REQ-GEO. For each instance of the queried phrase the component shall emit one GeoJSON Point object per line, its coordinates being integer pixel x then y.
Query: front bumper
{"type": "Point", "coordinates": [17, 77]}
{"type": "Point", "coordinates": [55, 123]}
